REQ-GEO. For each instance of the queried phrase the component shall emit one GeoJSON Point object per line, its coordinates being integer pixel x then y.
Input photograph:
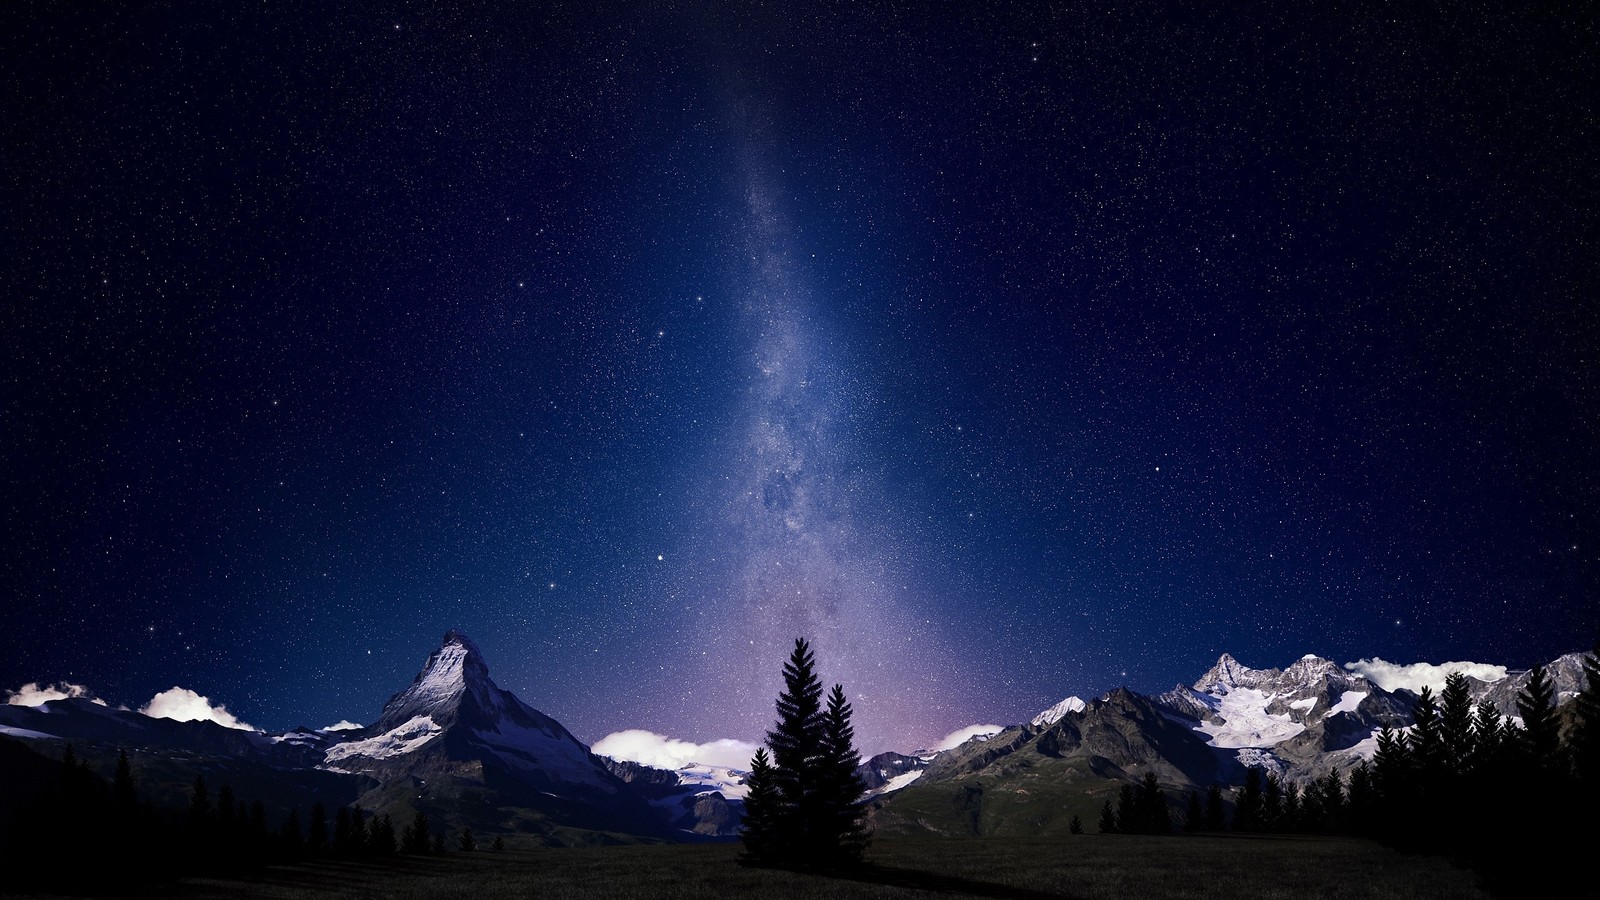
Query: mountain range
{"type": "Point", "coordinates": [456, 746]}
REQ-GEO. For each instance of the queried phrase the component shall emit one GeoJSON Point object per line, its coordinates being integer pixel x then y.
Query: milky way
{"type": "Point", "coordinates": [1006, 351]}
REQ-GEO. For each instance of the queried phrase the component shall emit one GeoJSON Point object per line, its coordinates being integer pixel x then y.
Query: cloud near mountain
{"type": "Point", "coordinates": [1415, 676]}
{"type": "Point", "coordinates": [185, 705]}
{"type": "Point", "coordinates": [962, 735]}
{"type": "Point", "coordinates": [33, 693]}
{"type": "Point", "coordinates": [662, 752]}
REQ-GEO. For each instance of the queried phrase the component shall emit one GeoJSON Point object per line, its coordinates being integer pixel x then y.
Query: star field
{"type": "Point", "coordinates": [1008, 351]}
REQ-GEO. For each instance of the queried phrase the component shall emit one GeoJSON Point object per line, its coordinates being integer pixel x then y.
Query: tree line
{"type": "Point", "coordinates": [132, 842]}
{"type": "Point", "coordinates": [1462, 781]}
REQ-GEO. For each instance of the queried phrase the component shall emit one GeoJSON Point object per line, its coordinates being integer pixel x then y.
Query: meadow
{"type": "Point", "coordinates": [1080, 867]}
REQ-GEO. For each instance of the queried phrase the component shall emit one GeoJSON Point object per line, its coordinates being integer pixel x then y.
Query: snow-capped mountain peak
{"type": "Point", "coordinates": [1054, 713]}
{"type": "Point", "coordinates": [453, 673]}
{"type": "Point", "coordinates": [1229, 674]}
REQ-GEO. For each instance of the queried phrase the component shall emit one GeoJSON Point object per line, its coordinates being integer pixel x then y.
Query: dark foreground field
{"type": "Point", "coordinates": [1090, 867]}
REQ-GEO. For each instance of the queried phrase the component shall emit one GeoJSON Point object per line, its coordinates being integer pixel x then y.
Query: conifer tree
{"type": "Point", "coordinates": [1272, 803]}
{"type": "Point", "coordinates": [839, 785]}
{"type": "Point", "coordinates": [436, 847]}
{"type": "Point", "coordinates": [317, 834]}
{"type": "Point", "coordinates": [499, 845]}
{"type": "Point", "coordinates": [1488, 738]}
{"type": "Point", "coordinates": [1536, 704]}
{"type": "Point", "coordinates": [1076, 825]}
{"type": "Point", "coordinates": [1127, 810]}
{"type": "Point", "coordinates": [1108, 819]}
{"type": "Point", "coordinates": [1292, 813]}
{"type": "Point", "coordinates": [1216, 819]}
{"type": "Point", "coordinates": [1153, 816]}
{"type": "Point", "coordinates": [124, 795]}
{"type": "Point", "coordinates": [1331, 790]}
{"type": "Point", "coordinates": [1247, 812]}
{"type": "Point", "coordinates": [343, 832]}
{"type": "Point", "coordinates": [763, 811]}
{"type": "Point", "coordinates": [415, 838]}
{"type": "Point", "coordinates": [1427, 741]}
{"type": "Point", "coordinates": [1195, 817]}
{"type": "Point", "coordinates": [1361, 799]}
{"type": "Point", "coordinates": [467, 843]}
{"type": "Point", "coordinates": [290, 836]}
{"type": "Point", "coordinates": [199, 803]}
{"type": "Point", "coordinates": [1391, 769]}
{"type": "Point", "coordinates": [810, 816]}
{"type": "Point", "coordinates": [1455, 722]}
{"type": "Point", "coordinates": [381, 836]}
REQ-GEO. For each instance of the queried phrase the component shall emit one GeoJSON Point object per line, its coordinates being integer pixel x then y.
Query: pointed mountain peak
{"type": "Point", "coordinates": [1054, 713]}
{"type": "Point", "coordinates": [1228, 674]}
{"type": "Point", "coordinates": [453, 673]}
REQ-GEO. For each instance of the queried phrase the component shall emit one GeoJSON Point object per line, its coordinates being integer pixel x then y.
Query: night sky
{"type": "Point", "coordinates": [1006, 350]}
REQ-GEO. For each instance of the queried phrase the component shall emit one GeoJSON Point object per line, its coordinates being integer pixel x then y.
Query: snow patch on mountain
{"type": "Point", "coordinates": [1246, 722]}
{"type": "Point", "coordinates": [394, 742]}
{"type": "Point", "coordinates": [1054, 713]}
{"type": "Point", "coordinates": [1348, 703]}
{"type": "Point", "coordinates": [900, 781]}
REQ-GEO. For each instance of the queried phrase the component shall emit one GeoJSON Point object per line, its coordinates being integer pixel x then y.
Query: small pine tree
{"type": "Point", "coordinates": [416, 838]}
{"type": "Point", "coordinates": [1195, 817]}
{"type": "Point", "coordinates": [1272, 803]}
{"type": "Point", "coordinates": [199, 802]}
{"type": "Point", "coordinates": [317, 834]}
{"type": "Point", "coordinates": [290, 836]}
{"type": "Point", "coordinates": [1292, 813]}
{"type": "Point", "coordinates": [499, 845]}
{"type": "Point", "coordinates": [763, 811]}
{"type": "Point", "coordinates": [1108, 819]}
{"type": "Point", "coordinates": [343, 832]}
{"type": "Point", "coordinates": [1427, 743]}
{"type": "Point", "coordinates": [124, 794]}
{"type": "Point", "coordinates": [1455, 722]}
{"type": "Point", "coordinates": [1247, 812]}
{"type": "Point", "coordinates": [381, 836]}
{"type": "Point", "coordinates": [1216, 817]}
{"type": "Point", "coordinates": [1488, 739]}
{"type": "Point", "coordinates": [839, 826]}
{"type": "Point", "coordinates": [1540, 739]}
{"type": "Point", "coordinates": [437, 847]}
{"type": "Point", "coordinates": [1361, 799]}
{"type": "Point", "coordinates": [467, 842]}
{"type": "Point", "coordinates": [1127, 810]}
{"type": "Point", "coordinates": [1076, 825]}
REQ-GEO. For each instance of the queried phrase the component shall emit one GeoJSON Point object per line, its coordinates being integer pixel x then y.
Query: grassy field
{"type": "Point", "coordinates": [1086, 867]}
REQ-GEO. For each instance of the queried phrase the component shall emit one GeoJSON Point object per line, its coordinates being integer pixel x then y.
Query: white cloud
{"type": "Point", "coordinates": [1414, 677]}
{"type": "Point", "coordinates": [185, 705]}
{"type": "Point", "coordinates": [962, 735]}
{"type": "Point", "coordinates": [663, 752]}
{"type": "Point", "coordinates": [32, 694]}
{"type": "Point", "coordinates": [344, 725]}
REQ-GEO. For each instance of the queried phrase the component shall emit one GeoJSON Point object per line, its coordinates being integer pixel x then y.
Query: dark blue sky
{"type": "Point", "coordinates": [1009, 351]}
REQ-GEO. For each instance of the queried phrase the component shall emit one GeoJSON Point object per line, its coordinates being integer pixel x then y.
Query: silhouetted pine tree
{"type": "Point", "coordinates": [763, 810]}
{"type": "Point", "coordinates": [343, 832]}
{"type": "Point", "coordinates": [811, 816]}
{"type": "Point", "coordinates": [317, 834]}
{"type": "Point", "coordinates": [199, 804]}
{"type": "Point", "coordinates": [499, 845]}
{"type": "Point", "coordinates": [1194, 817]}
{"type": "Point", "coordinates": [1108, 819]}
{"type": "Point", "coordinates": [1540, 741]}
{"type": "Point", "coordinates": [1127, 810]}
{"type": "Point", "coordinates": [1488, 739]}
{"type": "Point", "coordinates": [1362, 800]}
{"type": "Point", "coordinates": [381, 837]}
{"type": "Point", "coordinates": [415, 838]}
{"type": "Point", "coordinates": [840, 830]}
{"type": "Point", "coordinates": [1247, 810]}
{"type": "Point", "coordinates": [1216, 817]}
{"type": "Point", "coordinates": [1293, 817]}
{"type": "Point", "coordinates": [1426, 744]}
{"type": "Point", "coordinates": [1331, 794]}
{"type": "Point", "coordinates": [124, 794]}
{"type": "Point", "coordinates": [1152, 815]}
{"type": "Point", "coordinates": [467, 843]}
{"type": "Point", "coordinates": [1272, 804]}
{"type": "Point", "coordinates": [1076, 825]}
{"type": "Point", "coordinates": [437, 846]}
{"type": "Point", "coordinates": [290, 837]}
{"type": "Point", "coordinates": [1455, 722]}
{"type": "Point", "coordinates": [1391, 776]}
